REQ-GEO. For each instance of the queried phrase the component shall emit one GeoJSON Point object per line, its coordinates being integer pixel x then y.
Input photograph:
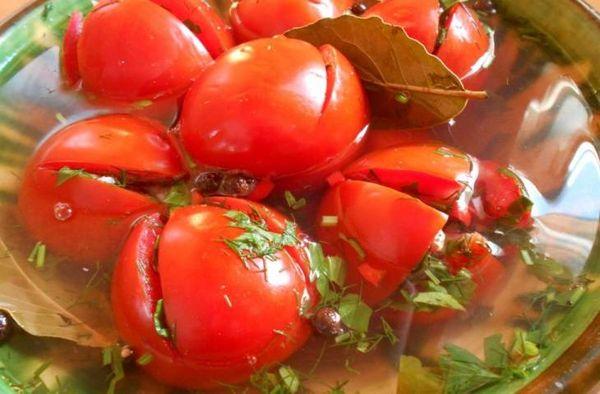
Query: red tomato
{"type": "Point", "coordinates": [437, 174]}
{"type": "Point", "coordinates": [420, 18]}
{"type": "Point", "coordinates": [378, 139]}
{"type": "Point", "coordinates": [203, 21]}
{"type": "Point", "coordinates": [224, 315]}
{"type": "Point", "coordinates": [466, 44]}
{"type": "Point", "coordinates": [86, 219]}
{"type": "Point", "coordinates": [503, 195]}
{"type": "Point", "coordinates": [133, 50]}
{"type": "Point", "coordinates": [278, 108]}
{"type": "Point", "coordinates": [252, 19]}
{"type": "Point", "coordinates": [381, 233]}
{"type": "Point", "coordinates": [70, 64]}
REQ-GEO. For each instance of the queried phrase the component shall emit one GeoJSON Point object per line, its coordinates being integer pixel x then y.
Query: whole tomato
{"type": "Point", "coordinates": [203, 21]}
{"type": "Point", "coordinates": [223, 317]}
{"type": "Point", "coordinates": [130, 50]}
{"type": "Point", "coordinates": [420, 18]}
{"type": "Point", "coordinates": [439, 175]}
{"type": "Point", "coordinates": [277, 108]}
{"type": "Point", "coordinates": [465, 46]}
{"type": "Point", "coordinates": [381, 233]}
{"type": "Point", "coordinates": [252, 19]}
{"type": "Point", "coordinates": [70, 199]}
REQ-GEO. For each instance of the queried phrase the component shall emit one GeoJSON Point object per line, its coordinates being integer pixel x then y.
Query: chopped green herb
{"type": "Point", "coordinates": [290, 378]}
{"type": "Point", "coordinates": [38, 255]}
{"type": "Point", "coordinates": [355, 314]}
{"type": "Point", "coordinates": [522, 348]}
{"type": "Point", "coordinates": [178, 196]}
{"type": "Point", "coordinates": [545, 268]}
{"type": "Point", "coordinates": [145, 359]}
{"type": "Point", "coordinates": [439, 287]}
{"type": "Point", "coordinates": [60, 117]}
{"type": "Point", "coordinates": [446, 152]}
{"type": "Point", "coordinates": [329, 221]}
{"type": "Point", "coordinates": [160, 320]}
{"type": "Point", "coordinates": [48, 7]}
{"type": "Point", "coordinates": [257, 241]}
{"type": "Point", "coordinates": [111, 356]}
{"type": "Point", "coordinates": [293, 202]}
{"type": "Point", "coordinates": [66, 173]}
{"type": "Point", "coordinates": [355, 245]}
{"type": "Point", "coordinates": [338, 388]}
{"type": "Point", "coordinates": [496, 355]}
{"type": "Point", "coordinates": [285, 381]}
{"type": "Point", "coordinates": [402, 97]}
{"type": "Point", "coordinates": [464, 372]}
{"type": "Point", "coordinates": [142, 104]}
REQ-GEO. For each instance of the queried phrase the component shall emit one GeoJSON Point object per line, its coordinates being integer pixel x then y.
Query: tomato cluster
{"type": "Point", "coordinates": [216, 286]}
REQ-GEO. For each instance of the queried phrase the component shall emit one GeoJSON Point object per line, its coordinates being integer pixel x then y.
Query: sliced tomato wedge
{"type": "Point", "coordinates": [381, 233]}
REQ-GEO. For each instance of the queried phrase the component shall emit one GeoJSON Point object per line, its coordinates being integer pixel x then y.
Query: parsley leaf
{"type": "Point", "coordinates": [439, 288]}
{"type": "Point", "coordinates": [355, 314]}
{"type": "Point", "coordinates": [413, 377]}
{"type": "Point", "coordinates": [293, 202]}
{"type": "Point", "coordinates": [496, 355]}
{"type": "Point", "coordinates": [66, 173]}
{"type": "Point", "coordinates": [257, 241]}
{"type": "Point", "coordinates": [285, 381]}
{"type": "Point", "coordinates": [464, 372]}
{"type": "Point", "coordinates": [178, 196]}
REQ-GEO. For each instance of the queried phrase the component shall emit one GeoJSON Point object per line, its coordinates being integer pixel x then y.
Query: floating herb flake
{"type": "Point", "coordinates": [38, 255]}
{"type": "Point", "coordinates": [293, 202]}
{"type": "Point", "coordinates": [66, 173]}
{"type": "Point", "coordinates": [160, 320]}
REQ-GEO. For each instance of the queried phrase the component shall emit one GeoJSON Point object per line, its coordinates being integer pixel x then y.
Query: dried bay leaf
{"type": "Point", "coordinates": [408, 87]}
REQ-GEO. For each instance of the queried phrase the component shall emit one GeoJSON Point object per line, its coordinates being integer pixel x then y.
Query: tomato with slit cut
{"type": "Point", "coordinates": [132, 50]}
{"type": "Point", "coordinates": [381, 233]}
{"type": "Point", "coordinates": [439, 175]}
{"type": "Point", "coordinates": [203, 21]}
{"type": "Point", "coordinates": [277, 108]}
{"type": "Point", "coordinates": [226, 318]}
{"type": "Point", "coordinates": [252, 19]}
{"type": "Point", "coordinates": [86, 219]}
{"type": "Point", "coordinates": [466, 44]}
{"type": "Point", "coordinates": [419, 18]}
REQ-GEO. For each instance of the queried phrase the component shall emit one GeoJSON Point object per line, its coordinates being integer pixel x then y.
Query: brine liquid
{"type": "Point", "coordinates": [536, 119]}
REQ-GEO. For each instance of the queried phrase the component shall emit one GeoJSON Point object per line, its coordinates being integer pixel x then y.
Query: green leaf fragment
{"type": "Point", "coordinates": [355, 314]}
{"type": "Point", "coordinates": [355, 245]}
{"type": "Point", "coordinates": [178, 196]}
{"type": "Point", "coordinates": [38, 255]}
{"type": "Point", "coordinates": [159, 319]}
{"type": "Point", "coordinates": [66, 173]}
{"type": "Point", "coordinates": [145, 359]}
{"type": "Point", "coordinates": [293, 202]}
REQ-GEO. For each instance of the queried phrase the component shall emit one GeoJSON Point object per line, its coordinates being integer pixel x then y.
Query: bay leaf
{"type": "Point", "coordinates": [408, 87]}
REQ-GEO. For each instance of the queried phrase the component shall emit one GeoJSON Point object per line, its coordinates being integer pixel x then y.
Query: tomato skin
{"type": "Point", "coordinates": [210, 296]}
{"type": "Point", "coordinates": [208, 26]}
{"type": "Point", "coordinates": [378, 139]}
{"type": "Point", "coordinates": [393, 230]}
{"type": "Point", "coordinates": [431, 171]}
{"type": "Point", "coordinates": [101, 213]}
{"type": "Point", "coordinates": [133, 50]}
{"type": "Point", "coordinates": [499, 192]}
{"type": "Point", "coordinates": [271, 107]}
{"type": "Point", "coordinates": [252, 19]}
{"type": "Point", "coordinates": [466, 44]}
{"type": "Point", "coordinates": [70, 64]}
{"type": "Point", "coordinates": [420, 18]}
{"type": "Point", "coordinates": [107, 145]}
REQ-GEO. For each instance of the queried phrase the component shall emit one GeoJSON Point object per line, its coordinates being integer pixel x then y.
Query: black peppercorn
{"type": "Point", "coordinates": [237, 184]}
{"type": "Point", "coordinates": [6, 327]}
{"type": "Point", "coordinates": [208, 182]}
{"type": "Point", "coordinates": [328, 321]}
{"type": "Point", "coordinates": [358, 8]}
{"type": "Point", "coordinates": [485, 6]}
